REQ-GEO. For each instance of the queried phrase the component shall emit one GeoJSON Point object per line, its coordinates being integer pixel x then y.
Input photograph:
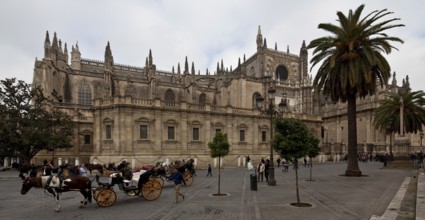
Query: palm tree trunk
{"type": "Point", "coordinates": [353, 163]}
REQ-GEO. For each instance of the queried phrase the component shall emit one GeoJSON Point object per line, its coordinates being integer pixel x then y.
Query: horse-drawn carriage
{"type": "Point", "coordinates": [163, 171]}
{"type": "Point", "coordinates": [138, 184]}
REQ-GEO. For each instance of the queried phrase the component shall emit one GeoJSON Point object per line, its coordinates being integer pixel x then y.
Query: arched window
{"type": "Point", "coordinates": [202, 99]}
{"type": "Point", "coordinates": [169, 96]}
{"type": "Point", "coordinates": [130, 91]}
{"type": "Point", "coordinates": [281, 73]}
{"type": "Point", "coordinates": [84, 93]}
{"type": "Point", "coordinates": [254, 99]}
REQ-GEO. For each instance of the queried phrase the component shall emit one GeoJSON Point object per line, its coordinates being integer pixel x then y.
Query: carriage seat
{"type": "Point", "coordinates": [104, 184]}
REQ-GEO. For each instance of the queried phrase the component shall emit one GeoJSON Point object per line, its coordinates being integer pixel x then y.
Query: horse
{"type": "Point", "coordinates": [55, 186]}
{"type": "Point", "coordinates": [91, 167]}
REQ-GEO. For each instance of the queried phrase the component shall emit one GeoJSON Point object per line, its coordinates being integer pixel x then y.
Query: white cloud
{"type": "Point", "coordinates": [204, 31]}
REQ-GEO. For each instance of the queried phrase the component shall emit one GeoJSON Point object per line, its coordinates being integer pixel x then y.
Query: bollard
{"type": "Point", "coordinates": [253, 178]}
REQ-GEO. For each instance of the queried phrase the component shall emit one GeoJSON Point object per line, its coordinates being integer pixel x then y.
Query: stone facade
{"type": "Point", "coordinates": [145, 114]}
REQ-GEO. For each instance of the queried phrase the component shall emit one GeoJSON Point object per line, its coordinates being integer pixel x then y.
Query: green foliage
{"type": "Point", "coordinates": [387, 115]}
{"type": "Point", "coordinates": [28, 124]}
{"type": "Point", "coordinates": [350, 59]}
{"type": "Point", "coordinates": [293, 140]}
{"type": "Point", "coordinates": [220, 146]}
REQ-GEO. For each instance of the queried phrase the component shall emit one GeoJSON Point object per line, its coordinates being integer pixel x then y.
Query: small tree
{"type": "Point", "coordinates": [312, 153]}
{"type": "Point", "coordinates": [219, 147]}
{"type": "Point", "coordinates": [293, 141]}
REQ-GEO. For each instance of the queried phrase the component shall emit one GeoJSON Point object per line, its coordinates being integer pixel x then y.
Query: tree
{"type": "Point", "coordinates": [28, 123]}
{"type": "Point", "coordinates": [351, 64]}
{"type": "Point", "coordinates": [312, 153]}
{"type": "Point", "coordinates": [219, 147]}
{"type": "Point", "coordinates": [293, 141]}
{"type": "Point", "coordinates": [387, 115]}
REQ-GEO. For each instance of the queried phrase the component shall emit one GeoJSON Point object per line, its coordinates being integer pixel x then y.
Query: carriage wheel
{"type": "Point", "coordinates": [157, 178]}
{"type": "Point", "coordinates": [151, 190]}
{"type": "Point", "coordinates": [106, 198]}
{"type": "Point", "coordinates": [188, 178]}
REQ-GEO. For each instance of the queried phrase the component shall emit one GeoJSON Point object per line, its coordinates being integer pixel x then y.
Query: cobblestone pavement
{"type": "Point", "coordinates": [331, 195]}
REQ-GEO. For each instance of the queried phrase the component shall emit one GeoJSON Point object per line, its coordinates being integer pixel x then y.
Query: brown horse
{"type": "Point", "coordinates": [91, 167]}
{"type": "Point", "coordinates": [55, 186]}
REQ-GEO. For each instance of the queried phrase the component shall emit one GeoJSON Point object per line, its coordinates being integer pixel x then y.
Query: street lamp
{"type": "Point", "coordinates": [271, 92]}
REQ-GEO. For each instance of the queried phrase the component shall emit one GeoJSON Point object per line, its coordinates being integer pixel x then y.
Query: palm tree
{"type": "Point", "coordinates": [351, 64]}
{"type": "Point", "coordinates": [387, 115]}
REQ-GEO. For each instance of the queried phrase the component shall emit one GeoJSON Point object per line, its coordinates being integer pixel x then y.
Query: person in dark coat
{"type": "Point", "coordinates": [178, 180]}
{"type": "Point", "coordinates": [209, 170]}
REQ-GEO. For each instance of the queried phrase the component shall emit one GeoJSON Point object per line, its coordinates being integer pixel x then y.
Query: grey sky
{"type": "Point", "coordinates": [204, 31]}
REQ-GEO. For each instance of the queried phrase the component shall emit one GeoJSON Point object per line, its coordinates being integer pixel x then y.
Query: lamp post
{"type": "Point", "coordinates": [270, 111]}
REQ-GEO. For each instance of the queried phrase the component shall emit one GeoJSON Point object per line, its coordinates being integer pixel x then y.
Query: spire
{"type": "Point", "coordinates": [218, 68]}
{"type": "Point", "coordinates": [60, 46]}
{"type": "Point", "coordinates": [239, 62]}
{"type": "Point", "coordinates": [208, 72]}
{"type": "Point", "coordinates": [47, 46]}
{"type": "Point", "coordinates": [186, 66]}
{"type": "Point", "coordinates": [178, 69]}
{"type": "Point", "coordinates": [259, 38]}
{"type": "Point", "coordinates": [193, 68]}
{"type": "Point", "coordinates": [109, 59]}
{"type": "Point", "coordinates": [147, 63]}
{"type": "Point", "coordinates": [108, 52]}
{"type": "Point", "coordinates": [394, 82]}
{"type": "Point", "coordinates": [265, 43]}
{"type": "Point", "coordinates": [172, 69]}
{"type": "Point", "coordinates": [304, 46]}
{"type": "Point", "coordinates": [150, 58]}
{"type": "Point", "coordinates": [275, 45]}
{"type": "Point", "coordinates": [407, 85]}
{"type": "Point", "coordinates": [287, 49]}
{"type": "Point", "coordinates": [244, 58]}
{"type": "Point", "coordinates": [47, 40]}
{"type": "Point", "coordinates": [55, 42]}
{"type": "Point", "coordinates": [65, 50]}
{"type": "Point", "coordinates": [222, 66]}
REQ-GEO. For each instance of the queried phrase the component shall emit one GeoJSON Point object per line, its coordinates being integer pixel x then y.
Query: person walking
{"type": "Point", "coordinates": [82, 169]}
{"type": "Point", "coordinates": [178, 180]}
{"type": "Point", "coordinates": [33, 172]}
{"type": "Point", "coordinates": [209, 170]}
{"type": "Point", "coordinates": [260, 170]}
{"type": "Point", "coordinates": [266, 169]}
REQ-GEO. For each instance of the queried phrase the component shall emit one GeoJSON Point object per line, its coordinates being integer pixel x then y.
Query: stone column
{"type": "Point", "coordinates": [77, 161]}
{"type": "Point", "coordinates": [6, 162]}
{"type": "Point", "coordinates": [60, 161]}
{"type": "Point", "coordinates": [133, 163]}
{"type": "Point", "coordinates": [239, 161]}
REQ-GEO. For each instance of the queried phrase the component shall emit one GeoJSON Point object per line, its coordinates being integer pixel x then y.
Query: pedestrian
{"type": "Point", "coordinates": [285, 165]}
{"type": "Point", "coordinates": [305, 161]}
{"type": "Point", "coordinates": [266, 169]}
{"type": "Point", "coordinates": [209, 170]}
{"type": "Point", "coordinates": [178, 180]}
{"type": "Point", "coordinates": [278, 162]}
{"type": "Point", "coordinates": [82, 169]}
{"type": "Point", "coordinates": [260, 170]}
{"type": "Point", "coordinates": [33, 172]}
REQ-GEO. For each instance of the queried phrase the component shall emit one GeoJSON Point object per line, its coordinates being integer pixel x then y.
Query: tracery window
{"type": "Point", "coordinates": [130, 91]}
{"type": "Point", "coordinates": [84, 93]}
{"type": "Point", "coordinates": [169, 96]}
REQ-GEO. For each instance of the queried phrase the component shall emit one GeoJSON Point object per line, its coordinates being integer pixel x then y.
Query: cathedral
{"type": "Point", "coordinates": [144, 114]}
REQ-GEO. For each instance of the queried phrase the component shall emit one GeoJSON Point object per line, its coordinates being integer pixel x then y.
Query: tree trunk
{"type": "Point", "coordinates": [296, 181]}
{"type": "Point", "coordinates": [219, 162]}
{"type": "Point", "coordinates": [353, 163]}
{"type": "Point", "coordinates": [311, 167]}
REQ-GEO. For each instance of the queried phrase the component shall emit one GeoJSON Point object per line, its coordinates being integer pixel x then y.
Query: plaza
{"type": "Point", "coordinates": [331, 195]}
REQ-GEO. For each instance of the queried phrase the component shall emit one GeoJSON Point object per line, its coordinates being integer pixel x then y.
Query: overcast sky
{"type": "Point", "coordinates": [204, 31]}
